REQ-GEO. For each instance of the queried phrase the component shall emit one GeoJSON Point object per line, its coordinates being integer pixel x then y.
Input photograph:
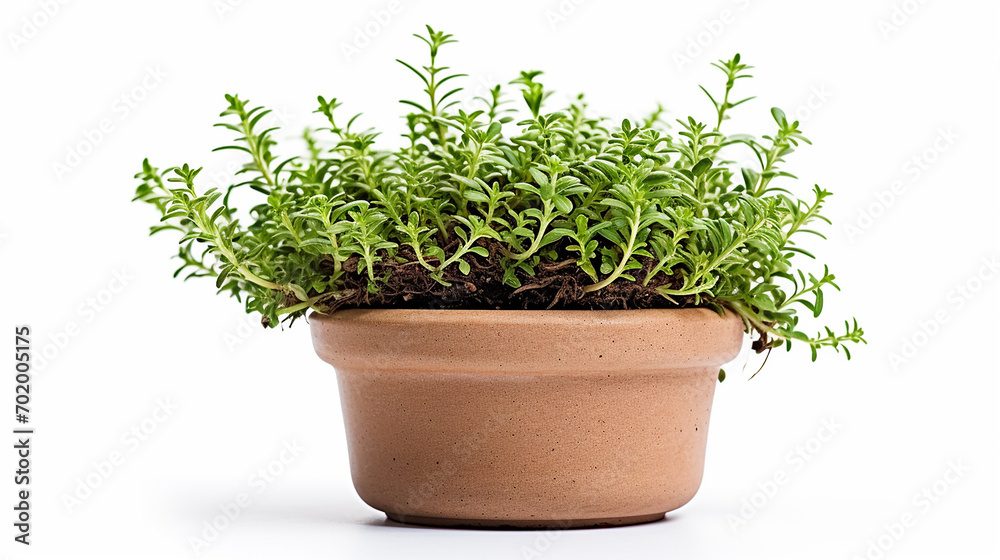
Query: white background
{"type": "Point", "coordinates": [876, 84]}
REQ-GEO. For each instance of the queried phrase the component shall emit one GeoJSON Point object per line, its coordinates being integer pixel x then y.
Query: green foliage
{"type": "Point", "coordinates": [632, 204]}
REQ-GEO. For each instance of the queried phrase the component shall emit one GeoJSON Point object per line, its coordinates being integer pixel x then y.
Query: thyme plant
{"type": "Point", "coordinates": [500, 208]}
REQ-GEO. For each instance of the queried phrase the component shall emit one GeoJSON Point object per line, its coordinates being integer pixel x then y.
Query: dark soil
{"type": "Point", "coordinates": [556, 285]}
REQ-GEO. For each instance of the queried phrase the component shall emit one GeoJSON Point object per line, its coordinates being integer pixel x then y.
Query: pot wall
{"type": "Point", "coordinates": [526, 418]}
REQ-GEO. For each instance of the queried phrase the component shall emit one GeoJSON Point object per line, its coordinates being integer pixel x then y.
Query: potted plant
{"type": "Point", "coordinates": [527, 313]}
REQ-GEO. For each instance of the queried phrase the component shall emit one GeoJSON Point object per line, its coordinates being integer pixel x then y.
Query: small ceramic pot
{"type": "Point", "coordinates": [526, 418]}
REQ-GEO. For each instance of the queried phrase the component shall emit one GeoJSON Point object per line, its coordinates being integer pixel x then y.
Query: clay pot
{"type": "Point", "coordinates": [526, 418]}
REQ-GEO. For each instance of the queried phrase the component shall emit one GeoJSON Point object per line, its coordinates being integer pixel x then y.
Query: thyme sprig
{"type": "Point", "coordinates": [658, 206]}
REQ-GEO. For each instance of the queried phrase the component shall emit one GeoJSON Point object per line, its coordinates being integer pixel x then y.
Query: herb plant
{"type": "Point", "coordinates": [498, 208]}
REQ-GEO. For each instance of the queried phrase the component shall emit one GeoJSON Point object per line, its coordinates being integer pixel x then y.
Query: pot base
{"type": "Point", "coordinates": [524, 524]}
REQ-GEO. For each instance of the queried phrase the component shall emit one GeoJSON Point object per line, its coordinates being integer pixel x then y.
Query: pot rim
{"type": "Point", "coordinates": [528, 341]}
{"type": "Point", "coordinates": [404, 314]}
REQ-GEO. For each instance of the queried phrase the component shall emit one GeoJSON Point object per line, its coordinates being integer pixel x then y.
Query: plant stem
{"type": "Point", "coordinates": [254, 152]}
{"type": "Point", "coordinates": [458, 254]}
{"type": "Point", "coordinates": [626, 256]}
{"type": "Point", "coordinates": [543, 225]}
{"type": "Point", "coordinates": [311, 301]}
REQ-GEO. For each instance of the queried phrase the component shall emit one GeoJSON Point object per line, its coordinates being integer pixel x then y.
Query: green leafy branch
{"type": "Point", "coordinates": [484, 197]}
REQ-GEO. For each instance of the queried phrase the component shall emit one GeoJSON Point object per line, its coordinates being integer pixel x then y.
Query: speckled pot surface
{"type": "Point", "coordinates": [526, 418]}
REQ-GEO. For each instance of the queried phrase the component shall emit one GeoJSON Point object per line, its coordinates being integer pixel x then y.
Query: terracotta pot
{"type": "Point", "coordinates": [526, 418]}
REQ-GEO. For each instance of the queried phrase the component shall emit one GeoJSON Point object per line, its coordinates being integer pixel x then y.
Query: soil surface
{"type": "Point", "coordinates": [556, 285]}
